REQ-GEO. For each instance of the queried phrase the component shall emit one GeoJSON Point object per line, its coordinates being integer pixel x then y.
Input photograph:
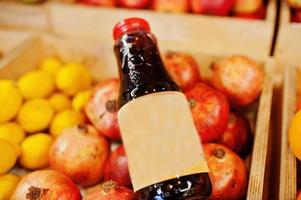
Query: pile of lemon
{"type": "Point", "coordinates": [34, 110]}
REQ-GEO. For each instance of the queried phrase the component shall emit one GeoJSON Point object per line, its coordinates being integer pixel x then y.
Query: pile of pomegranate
{"type": "Point", "coordinates": [81, 155]}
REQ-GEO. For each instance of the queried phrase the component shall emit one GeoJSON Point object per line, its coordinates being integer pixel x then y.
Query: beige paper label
{"type": "Point", "coordinates": [160, 138]}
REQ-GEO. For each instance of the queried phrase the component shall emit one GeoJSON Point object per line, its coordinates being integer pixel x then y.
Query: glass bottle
{"type": "Point", "coordinates": [142, 74]}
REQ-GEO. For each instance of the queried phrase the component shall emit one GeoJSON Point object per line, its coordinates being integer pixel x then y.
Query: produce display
{"type": "Point", "coordinates": [62, 130]}
{"type": "Point", "coordinates": [295, 7]}
{"type": "Point", "coordinates": [249, 9]}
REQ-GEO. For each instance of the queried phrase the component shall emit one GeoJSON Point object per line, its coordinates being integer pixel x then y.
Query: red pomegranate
{"type": "Point", "coordinates": [46, 185]}
{"type": "Point", "coordinates": [80, 153]}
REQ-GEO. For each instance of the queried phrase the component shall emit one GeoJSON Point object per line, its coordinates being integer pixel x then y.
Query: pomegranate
{"type": "Point", "coordinates": [116, 168]}
{"type": "Point", "coordinates": [80, 153]}
{"type": "Point", "coordinates": [239, 78]}
{"type": "Point", "coordinates": [299, 195]}
{"type": "Point", "coordinates": [228, 172]}
{"type": "Point", "coordinates": [238, 136]}
{"type": "Point", "coordinates": [183, 68]}
{"type": "Point", "coordinates": [177, 6]}
{"type": "Point", "coordinates": [102, 108]}
{"type": "Point", "coordinates": [111, 191]}
{"type": "Point", "coordinates": [46, 185]}
{"type": "Point", "coordinates": [210, 111]}
{"type": "Point", "coordinates": [212, 7]}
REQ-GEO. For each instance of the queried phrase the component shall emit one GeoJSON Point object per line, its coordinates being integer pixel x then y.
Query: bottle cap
{"type": "Point", "coordinates": [128, 25]}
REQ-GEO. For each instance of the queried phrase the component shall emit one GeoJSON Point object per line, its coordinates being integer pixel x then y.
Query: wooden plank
{"type": "Point", "coordinates": [288, 44]}
{"type": "Point", "coordinates": [16, 15]}
{"type": "Point", "coordinates": [10, 39]}
{"type": "Point", "coordinates": [288, 168]}
{"type": "Point", "coordinates": [100, 60]}
{"type": "Point", "coordinates": [186, 32]}
{"type": "Point", "coordinates": [260, 146]}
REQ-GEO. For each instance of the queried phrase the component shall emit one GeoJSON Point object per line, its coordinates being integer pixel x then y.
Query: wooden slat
{"type": "Point", "coordinates": [10, 39]}
{"type": "Point", "coordinates": [260, 146]}
{"type": "Point", "coordinates": [288, 44]}
{"type": "Point", "coordinates": [288, 169]}
{"type": "Point", "coordinates": [16, 15]}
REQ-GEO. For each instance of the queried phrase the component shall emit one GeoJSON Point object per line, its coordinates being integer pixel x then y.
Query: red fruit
{"type": "Point", "coordinates": [102, 108]}
{"type": "Point", "coordinates": [247, 6]}
{"type": "Point", "coordinates": [299, 195]}
{"type": "Point", "coordinates": [171, 5]}
{"type": "Point", "coordinates": [80, 153]}
{"type": "Point", "coordinates": [228, 172]}
{"type": "Point", "coordinates": [111, 191]}
{"type": "Point", "coordinates": [210, 111]}
{"type": "Point", "coordinates": [212, 7]}
{"type": "Point", "coordinates": [298, 104]}
{"type": "Point", "coordinates": [296, 16]}
{"type": "Point", "coordinates": [104, 3]}
{"type": "Point", "coordinates": [295, 4]}
{"type": "Point", "coordinates": [237, 137]}
{"type": "Point", "coordinates": [239, 78]}
{"type": "Point", "coordinates": [258, 14]}
{"type": "Point", "coordinates": [135, 4]}
{"type": "Point", "coordinates": [183, 69]}
{"type": "Point", "coordinates": [46, 185]}
{"type": "Point", "coordinates": [116, 168]}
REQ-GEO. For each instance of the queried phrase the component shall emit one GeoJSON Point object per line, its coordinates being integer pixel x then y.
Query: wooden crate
{"type": "Point", "coordinates": [288, 168]}
{"type": "Point", "coordinates": [100, 60]}
{"type": "Point", "coordinates": [16, 15]}
{"type": "Point", "coordinates": [10, 39]}
{"type": "Point", "coordinates": [209, 34]}
{"type": "Point", "coordinates": [288, 44]}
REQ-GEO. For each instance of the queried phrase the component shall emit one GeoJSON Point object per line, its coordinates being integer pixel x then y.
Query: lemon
{"type": "Point", "coordinates": [80, 99]}
{"type": "Point", "coordinates": [8, 155]}
{"type": "Point", "coordinates": [65, 119]}
{"type": "Point", "coordinates": [50, 65]}
{"type": "Point", "coordinates": [73, 78]}
{"type": "Point", "coordinates": [11, 132]}
{"type": "Point", "coordinates": [34, 151]}
{"type": "Point", "coordinates": [60, 101]}
{"type": "Point", "coordinates": [10, 100]}
{"type": "Point", "coordinates": [36, 83]}
{"type": "Point", "coordinates": [35, 115]}
{"type": "Point", "coordinates": [8, 183]}
{"type": "Point", "coordinates": [295, 135]}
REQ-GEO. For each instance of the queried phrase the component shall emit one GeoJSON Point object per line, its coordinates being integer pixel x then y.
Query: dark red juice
{"type": "Point", "coordinates": [142, 72]}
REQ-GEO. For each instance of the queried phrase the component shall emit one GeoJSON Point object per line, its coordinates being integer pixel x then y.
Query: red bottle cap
{"type": "Point", "coordinates": [128, 25]}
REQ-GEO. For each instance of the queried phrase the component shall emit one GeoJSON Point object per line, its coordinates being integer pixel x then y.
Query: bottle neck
{"type": "Point", "coordinates": [141, 69]}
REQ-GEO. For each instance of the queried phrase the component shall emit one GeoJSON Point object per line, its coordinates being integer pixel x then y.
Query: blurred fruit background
{"type": "Point", "coordinates": [250, 9]}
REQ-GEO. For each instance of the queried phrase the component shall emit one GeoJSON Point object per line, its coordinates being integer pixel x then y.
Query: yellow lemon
{"type": "Point", "coordinates": [8, 183]}
{"type": "Point", "coordinates": [60, 101]}
{"type": "Point", "coordinates": [295, 135]}
{"type": "Point", "coordinates": [73, 78]}
{"type": "Point", "coordinates": [11, 132]}
{"type": "Point", "coordinates": [35, 115]}
{"type": "Point", "coordinates": [34, 151]}
{"type": "Point", "coordinates": [8, 156]}
{"type": "Point", "coordinates": [36, 83]}
{"type": "Point", "coordinates": [65, 119]}
{"type": "Point", "coordinates": [80, 99]}
{"type": "Point", "coordinates": [10, 100]}
{"type": "Point", "coordinates": [50, 65]}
